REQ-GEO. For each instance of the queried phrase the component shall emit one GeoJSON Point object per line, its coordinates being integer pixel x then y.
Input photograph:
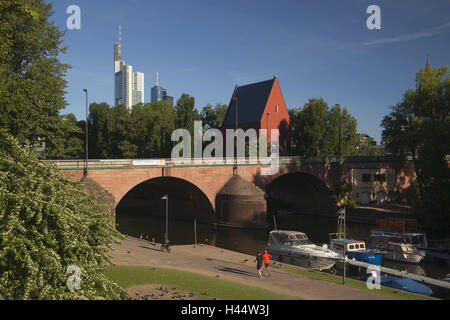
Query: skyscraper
{"type": "Point", "coordinates": [159, 93]}
{"type": "Point", "coordinates": [124, 86]}
{"type": "Point", "coordinates": [138, 88]}
{"type": "Point", "coordinates": [128, 85]}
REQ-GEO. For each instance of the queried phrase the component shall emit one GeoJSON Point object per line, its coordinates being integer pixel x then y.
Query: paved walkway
{"type": "Point", "coordinates": [234, 266]}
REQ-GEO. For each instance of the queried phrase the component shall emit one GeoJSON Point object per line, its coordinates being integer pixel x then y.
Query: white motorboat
{"type": "Point", "coordinates": [295, 248]}
{"type": "Point", "coordinates": [417, 239]}
{"type": "Point", "coordinates": [396, 248]}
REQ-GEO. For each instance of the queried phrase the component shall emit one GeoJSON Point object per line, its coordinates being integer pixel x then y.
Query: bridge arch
{"type": "Point", "coordinates": [299, 192]}
{"type": "Point", "coordinates": [186, 201]}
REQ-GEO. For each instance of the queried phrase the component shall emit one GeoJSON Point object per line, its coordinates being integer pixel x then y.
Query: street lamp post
{"type": "Point", "coordinates": [85, 173]}
{"type": "Point", "coordinates": [343, 237]}
{"type": "Point", "coordinates": [166, 197]}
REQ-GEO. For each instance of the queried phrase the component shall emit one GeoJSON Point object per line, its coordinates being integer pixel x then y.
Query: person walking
{"type": "Point", "coordinates": [259, 262]}
{"type": "Point", "coordinates": [266, 257]}
{"type": "Point", "coordinates": [166, 243]}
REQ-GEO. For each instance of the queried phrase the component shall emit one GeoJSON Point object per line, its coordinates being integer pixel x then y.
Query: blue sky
{"type": "Point", "coordinates": [204, 48]}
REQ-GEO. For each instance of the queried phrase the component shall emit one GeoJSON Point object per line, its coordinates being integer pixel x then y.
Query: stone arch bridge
{"type": "Point", "coordinates": [118, 177]}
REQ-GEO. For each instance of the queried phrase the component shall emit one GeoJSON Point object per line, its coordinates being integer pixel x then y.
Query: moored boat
{"type": "Point", "coordinates": [416, 239]}
{"type": "Point", "coordinates": [295, 248]}
{"type": "Point", "coordinates": [355, 249]}
{"type": "Point", "coordinates": [395, 248]}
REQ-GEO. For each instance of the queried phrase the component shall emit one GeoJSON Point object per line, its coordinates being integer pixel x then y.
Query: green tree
{"type": "Point", "coordinates": [349, 136]}
{"type": "Point", "coordinates": [153, 124]}
{"type": "Point", "coordinates": [32, 84]}
{"type": "Point", "coordinates": [100, 131]}
{"type": "Point", "coordinates": [67, 142]}
{"type": "Point", "coordinates": [186, 113]}
{"type": "Point", "coordinates": [212, 117]}
{"type": "Point", "coordinates": [419, 126]}
{"type": "Point", "coordinates": [365, 146]}
{"type": "Point", "coordinates": [49, 222]}
{"type": "Point", "coordinates": [310, 127]}
{"type": "Point", "coordinates": [315, 129]}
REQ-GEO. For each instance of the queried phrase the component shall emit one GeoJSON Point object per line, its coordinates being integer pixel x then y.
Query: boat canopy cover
{"type": "Point", "coordinates": [289, 237]}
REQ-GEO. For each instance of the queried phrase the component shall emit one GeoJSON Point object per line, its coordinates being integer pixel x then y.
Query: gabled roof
{"type": "Point", "coordinates": [251, 101]}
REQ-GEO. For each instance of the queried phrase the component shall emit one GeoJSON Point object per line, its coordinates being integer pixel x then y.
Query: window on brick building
{"type": "Point", "coordinates": [380, 177]}
{"type": "Point", "coordinates": [366, 178]}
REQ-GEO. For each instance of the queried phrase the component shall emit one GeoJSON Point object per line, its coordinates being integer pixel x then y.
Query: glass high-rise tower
{"type": "Point", "coordinates": [128, 85]}
{"type": "Point", "coordinates": [159, 93]}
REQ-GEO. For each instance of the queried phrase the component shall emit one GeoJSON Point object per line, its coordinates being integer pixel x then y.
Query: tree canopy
{"type": "Point", "coordinates": [212, 117]}
{"type": "Point", "coordinates": [32, 84]}
{"type": "Point", "coordinates": [315, 129]}
{"type": "Point", "coordinates": [419, 125]}
{"type": "Point", "coordinates": [49, 222]}
{"type": "Point", "coordinates": [144, 131]}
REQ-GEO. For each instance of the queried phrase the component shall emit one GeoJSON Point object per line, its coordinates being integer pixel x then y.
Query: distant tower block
{"type": "Point", "coordinates": [158, 93]}
{"type": "Point", "coordinates": [128, 85]}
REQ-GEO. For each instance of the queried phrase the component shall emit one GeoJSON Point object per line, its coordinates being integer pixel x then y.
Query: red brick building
{"type": "Point", "coordinates": [260, 106]}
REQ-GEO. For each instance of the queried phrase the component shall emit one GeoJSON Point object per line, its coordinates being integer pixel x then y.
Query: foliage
{"type": "Point", "coordinates": [186, 113]}
{"type": "Point", "coordinates": [212, 117]}
{"type": "Point", "coordinates": [340, 192]}
{"type": "Point", "coordinates": [315, 129]}
{"type": "Point", "coordinates": [365, 147]}
{"type": "Point", "coordinates": [419, 126]}
{"type": "Point", "coordinates": [349, 205]}
{"type": "Point", "coordinates": [47, 223]}
{"type": "Point", "coordinates": [31, 76]}
{"type": "Point", "coordinates": [411, 196]}
{"type": "Point", "coordinates": [67, 142]}
{"type": "Point", "coordinates": [142, 132]}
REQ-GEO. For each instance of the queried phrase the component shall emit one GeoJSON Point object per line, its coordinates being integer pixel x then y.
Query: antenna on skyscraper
{"type": "Point", "coordinates": [157, 81]}
{"type": "Point", "coordinates": [120, 34]}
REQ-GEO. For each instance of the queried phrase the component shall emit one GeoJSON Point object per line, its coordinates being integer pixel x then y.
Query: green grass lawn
{"type": "Point", "coordinates": [399, 294]}
{"type": "Point", "coordinates": [203, 287]}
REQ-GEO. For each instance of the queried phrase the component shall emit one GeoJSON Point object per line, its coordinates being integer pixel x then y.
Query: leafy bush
{"type": "Point", "coordinates": [340, 191]}
{"type": "Point", "coordinates": [349, 205]}
{"type": "Point", "coordinates": [47, 223]}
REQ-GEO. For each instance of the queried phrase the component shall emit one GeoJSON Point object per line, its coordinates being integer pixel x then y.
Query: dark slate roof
{"type": "Point", "coordinates": [252, 100]}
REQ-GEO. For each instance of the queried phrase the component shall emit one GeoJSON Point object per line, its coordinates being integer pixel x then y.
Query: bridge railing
{"type": "Point", "coordinates": [79, 164]}
{"type": "Point", "coordinates": [132, 163]}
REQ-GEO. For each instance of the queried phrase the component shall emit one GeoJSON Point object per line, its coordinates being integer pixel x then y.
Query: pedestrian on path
{"type": "Point", "coordinates": [259, 262]}
{"type": "Point", "coordinates": [266, 257]}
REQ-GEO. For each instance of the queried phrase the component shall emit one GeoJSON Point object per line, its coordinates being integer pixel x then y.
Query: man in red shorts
{"type": "Point", "coordinates": [266, 257]}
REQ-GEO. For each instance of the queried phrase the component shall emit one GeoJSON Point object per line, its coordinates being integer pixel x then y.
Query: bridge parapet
{"type": "Point", "coordinates": [139, 163]}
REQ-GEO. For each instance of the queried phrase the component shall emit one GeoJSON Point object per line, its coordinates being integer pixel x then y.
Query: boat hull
{"type": "Point", "coordinates": [402, 257]}
{"type": "Point", "coordinates": [304, 261]}
{"type": "Point", "coordinates": [367, 257]}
